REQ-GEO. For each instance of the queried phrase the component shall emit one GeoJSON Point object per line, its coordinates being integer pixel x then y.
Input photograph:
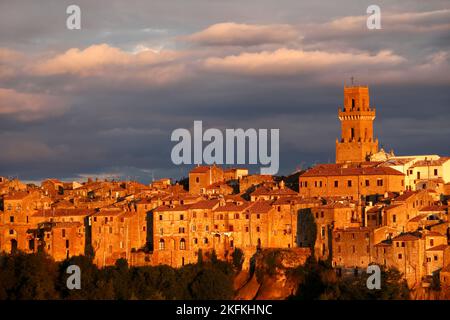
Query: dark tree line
{"type": "Point", "coordinates": [318, 281]}
{"type": "Point", "coordinates": [37, 276]}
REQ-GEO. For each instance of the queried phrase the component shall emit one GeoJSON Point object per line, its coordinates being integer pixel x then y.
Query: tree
{"type": "Point", "coordinates": [211, 285]}
{"type": "Point", "coordinates": [238, 258]}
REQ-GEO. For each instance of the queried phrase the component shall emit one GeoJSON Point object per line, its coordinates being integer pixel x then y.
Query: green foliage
{"type": "Point", "coordinates": [238, 258]}
{"type": "Point", "coordinates": [210, 285]}
{"type": "Point", "coordinates": [318, 281]}
{"type": "Point", "coordinates": [37, 276]}
{"type": "Point", "coordinates": [25, 277]}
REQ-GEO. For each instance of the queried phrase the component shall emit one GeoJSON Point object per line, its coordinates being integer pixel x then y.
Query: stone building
{"type": "Point", "coordinates": [326, 180]}
{"type": "Point", "coordinates": [357, 143]}
{"type": "Point", "coordinates": [204, 176]}
{"type": "Point", "coordinates": [16, 219]}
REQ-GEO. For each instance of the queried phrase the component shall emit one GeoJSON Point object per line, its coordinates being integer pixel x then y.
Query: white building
{"type": "Point", "coordinates": [421, 171]}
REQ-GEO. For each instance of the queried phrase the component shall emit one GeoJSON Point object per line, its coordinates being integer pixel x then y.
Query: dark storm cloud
{"type": "Point", "coordinates": [104, 100]}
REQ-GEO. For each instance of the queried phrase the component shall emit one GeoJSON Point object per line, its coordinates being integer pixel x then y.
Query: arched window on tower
{"type": "Point", "coordinates": [352, 133]}
{"type": "Point", "coordinates": [182, 244]}
{"type": "Point", "coordinates": [353, 103]}
{"type": "Point", "coordinates": [162, 244]}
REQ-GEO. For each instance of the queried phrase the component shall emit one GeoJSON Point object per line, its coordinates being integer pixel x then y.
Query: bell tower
{"type": "Point", "coordinates": [357, 142]}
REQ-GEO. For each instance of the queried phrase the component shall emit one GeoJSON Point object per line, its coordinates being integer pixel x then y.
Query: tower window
{"type": "Point", "coordinates": [352, 133]}
{"type": "Point", "coordinates": [353, 103]}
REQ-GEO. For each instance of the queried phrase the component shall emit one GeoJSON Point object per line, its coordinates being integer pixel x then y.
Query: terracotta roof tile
{"type": "Point", "coordinates": [338, 170]}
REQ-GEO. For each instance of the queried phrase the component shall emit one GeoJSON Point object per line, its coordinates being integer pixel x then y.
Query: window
{"type": "Point", "coordinates": [247, 216]}
{"type": "Point", "coordinates": [11, 231]}
{"type": "Point", "coordinates": [367, 183]}
{"type": "Point", "coordinates": [182, 244]}
{"type": "Point", "coordinates": [110, 230]}
{"type": "Point", "coordinates": [353, 249]}
{"type": "Point", "coordinates": [236, 215]}
{"type": "Point", "coordinates": [197, 179]}
{"type": "Point", "coordinates": [322, 214]}
{"type": "Point", "coordinates": [181, 217]}
{"type": "Point", "coordinates": [161, 231]}
{"type": "Point", "coordinates": [205, 240]}
{"type": "Point", "coordinates": [194, 214]}
{"type": "Point", "coordinates": [435, 258]}
{"type": "Point", "coordinates": [67, 244]}
{"type": "Point", "coordinates": [403, 244]}
{"type": "Point", "coordinates": [246, 229]}
{"type": "Point", "coordinates": [336, 184]}
{"type": "Point", "coordinates": [257, 229]}
{"type": "Point", "coordinates": [379, 182]}
{"type": "Point", "coordinates": [435, 172]}
{"type": "Point", "coordinates": [11, 219]}
{"type": "Point", "coordinates": [431, 242]}
{"type": "Point", "coordinates": [258, 216]}
{"type": "Point", "coordinates": [194, 228]}
{"type": "Point", "coordinates": [205, 215]}
{"type": "Point", "coordinates": [352, 133]}
{"type": "Point", "coordinates": [320, 184]}
{"type": "Point", "coordinates": [181, 230]}
{"type": "Point", "coordinates": [63, 231]}
{"type": "Point", "coordinates": [394, 218]}
{"type": "Point", "coordinates": [418, 175]}
{"type": "Point", "coordinates": [162, 244]}
{"type": "Point", "coordinates": [195, 240]}
{"type": "Point", "coordinates": [400, 256]}
{"type": "Point", "coordinates": [231, 243]}
{"type": "Point", "coordinates": [349, 183]}
{"type": "Point", "coordinates": [230, 228]}
{"type": "Point", "coordinates": [160, 217]}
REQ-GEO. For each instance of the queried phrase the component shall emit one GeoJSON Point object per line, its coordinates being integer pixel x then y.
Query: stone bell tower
{"type": "Point", "coordinates": [357, 142]}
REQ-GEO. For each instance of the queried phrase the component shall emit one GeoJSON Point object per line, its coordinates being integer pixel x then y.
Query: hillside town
{"type": "Point", "coordinates": [369, 207]}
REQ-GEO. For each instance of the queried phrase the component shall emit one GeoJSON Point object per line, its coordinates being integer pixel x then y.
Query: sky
{"type": "Point", "coordinates": [103, 101]}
